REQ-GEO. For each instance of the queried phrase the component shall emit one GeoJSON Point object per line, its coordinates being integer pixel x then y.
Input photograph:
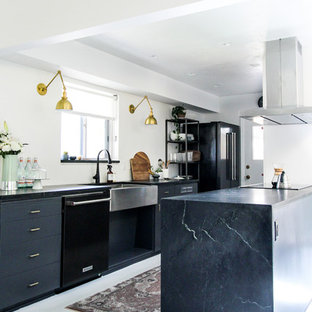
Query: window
{"type": "Point", "coordinates": [257, 143]}
{"type": "Point", "coordinates": [92, 125]}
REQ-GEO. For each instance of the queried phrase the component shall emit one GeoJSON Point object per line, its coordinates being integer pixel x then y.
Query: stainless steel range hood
{"type": "Point", "coordinates": [282, 86]}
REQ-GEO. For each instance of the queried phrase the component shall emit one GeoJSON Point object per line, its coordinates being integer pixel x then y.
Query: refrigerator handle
{"type": "Point", "coordinates": [229, 166]}
{"type": "Point", "coordinates": [234, 160]}
{"type": "Point", "coordinates": [229, 155]}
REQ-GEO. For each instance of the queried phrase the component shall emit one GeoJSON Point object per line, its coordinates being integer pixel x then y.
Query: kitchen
{"type": "Point", "coordinates": [27, 59]}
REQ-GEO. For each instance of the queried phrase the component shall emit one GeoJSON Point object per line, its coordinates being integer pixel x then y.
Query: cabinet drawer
{"type": "Point", "coordinates": [186, 189]}
{"type": "Point", "coordinates": [30, 255]}
{"type": "Point", "coordinates": [21, 287]}
{"type": "Point", "coordinates": [20, 231]}
{"type": "Point", "coordinates": [165, 191]}
{"type": "Point", "coordinates": [30, 209]}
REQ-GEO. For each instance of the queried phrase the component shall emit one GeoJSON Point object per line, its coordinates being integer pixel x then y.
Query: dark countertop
{"type": "Point", "coordinates": [161, 182]}
{"type": "Point", "coordinates": [246, 196]}
{"type": "Point", "coordinates": [49, 191]}
{"type": "Point", "coordinates": [61, 190]}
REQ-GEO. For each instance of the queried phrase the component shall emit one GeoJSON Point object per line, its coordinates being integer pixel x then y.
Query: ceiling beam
{"type": "Point", "coordinates": [85, 63]}
{"type": "Point", "coordinates": [29, 24]}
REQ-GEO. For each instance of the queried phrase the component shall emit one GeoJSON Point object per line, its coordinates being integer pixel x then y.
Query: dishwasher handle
{"type": "Point", "coordinates": [86, 202]}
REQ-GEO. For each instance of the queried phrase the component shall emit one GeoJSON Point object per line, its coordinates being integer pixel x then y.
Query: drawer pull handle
{"type": "Point", "coordinates": [34, 255]}
{"type": "Point", "coordinates": [33, 284]}
{"type": "Point", "coordinates": [34, 211]}
{"type": "Point", "coordinates": [167, 192]}
{"type": "Point", "coordinates": [187, 189]}
{"type": "Point", "coordinates": [34, 230]}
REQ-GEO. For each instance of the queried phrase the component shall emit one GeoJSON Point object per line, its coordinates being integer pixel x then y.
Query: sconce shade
{"type": "Point", "coordinates": [151, 120]}
{"type": "Point", "coordinates": [63, 103]}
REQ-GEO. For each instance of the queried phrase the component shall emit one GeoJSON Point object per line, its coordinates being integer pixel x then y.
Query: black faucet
{"type": "Point", "coordinates": [97, 174]}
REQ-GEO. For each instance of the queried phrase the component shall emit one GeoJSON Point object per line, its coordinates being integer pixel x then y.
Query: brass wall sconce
{"type": "Point", "coordinates": [150, 120]}
{"type": "Point", "coordinates": [63, 103]}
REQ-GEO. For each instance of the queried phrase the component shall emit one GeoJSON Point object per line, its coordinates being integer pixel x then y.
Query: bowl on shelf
{"type": "Point", "coordinates": [190, 137]}
{"type": "Point", "coordinates": [177, 137]}
{"type": "Point", "coordinates": [72, 157]}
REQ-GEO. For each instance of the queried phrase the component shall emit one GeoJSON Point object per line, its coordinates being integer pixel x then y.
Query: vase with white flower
{"type": "Point", "coordinates": [9, 149]}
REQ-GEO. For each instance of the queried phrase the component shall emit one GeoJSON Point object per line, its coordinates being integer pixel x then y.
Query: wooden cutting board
{"type": "Point", "coordinates": [140, 166]}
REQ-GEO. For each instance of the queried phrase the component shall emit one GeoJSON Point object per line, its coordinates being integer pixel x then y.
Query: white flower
{"type": "Point", "coordinates": [15, 146]}
{"type": "Point", "coordinates": [5, 140]}
{"type": "Point", "coordinates": [8, 145]}
{"type": "Point", "coordinates": [6, 148]}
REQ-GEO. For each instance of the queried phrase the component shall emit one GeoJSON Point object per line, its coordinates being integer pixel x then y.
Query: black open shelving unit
{"type": "Point", "coordinates": [187, 126]}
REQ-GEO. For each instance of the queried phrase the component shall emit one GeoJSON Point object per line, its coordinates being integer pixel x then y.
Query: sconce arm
{"type": "Point", "coordinates": [140, 102]}
{"type": "Point", "coordinates": [148, 103]}
{"type": "Point", "coordinates": [58, 73]}
{"type": "Point", "coordinates": [132, 108]}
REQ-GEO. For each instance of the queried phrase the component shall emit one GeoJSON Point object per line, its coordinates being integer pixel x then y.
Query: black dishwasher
{"type": "Point", "coordinates": [85, 237]}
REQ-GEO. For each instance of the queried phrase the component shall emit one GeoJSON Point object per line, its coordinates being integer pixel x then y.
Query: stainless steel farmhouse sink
{"type": "Point", "coordinates": [127, 196]}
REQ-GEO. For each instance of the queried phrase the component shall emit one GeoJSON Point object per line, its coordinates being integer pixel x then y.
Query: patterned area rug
{"type": "Point", "coordinates": [138, 294]}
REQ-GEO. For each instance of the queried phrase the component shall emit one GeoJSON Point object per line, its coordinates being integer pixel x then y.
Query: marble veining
{"type": "Point", "coordinates": [185, 225]}
{"type": "Point", "coordinates": [245, 241]}
{"type": "Point", "coordinates": [209, 235]}
{"type": "Point", "coordinates": [247, 301]}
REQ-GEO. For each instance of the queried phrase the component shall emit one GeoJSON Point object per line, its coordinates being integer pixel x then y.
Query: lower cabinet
{"type": "Point", "coordinates": [30, 249]}
{"type": "Point", "coordinates": [29, 284]}
{"type": "Point", "coordinates": [168, 191]}
{"type": "Point", "coordinates": [30, 242]}
{"type": "Point", "coordinates": [130, 235]}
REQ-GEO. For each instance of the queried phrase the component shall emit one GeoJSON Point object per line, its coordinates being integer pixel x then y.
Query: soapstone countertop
{"type": "Point", "coordinates": [246, 196]}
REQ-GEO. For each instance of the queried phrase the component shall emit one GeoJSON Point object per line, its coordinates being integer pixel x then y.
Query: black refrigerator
{"type": "Point", "coordinates": [220, 156]}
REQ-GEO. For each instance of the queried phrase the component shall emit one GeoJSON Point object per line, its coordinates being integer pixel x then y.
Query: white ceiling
{"type": "Point", "coordinates": [219, 51]}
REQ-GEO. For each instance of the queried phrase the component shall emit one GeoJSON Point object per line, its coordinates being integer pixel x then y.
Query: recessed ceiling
{"type": "Point", "coordinates": [219, 51]}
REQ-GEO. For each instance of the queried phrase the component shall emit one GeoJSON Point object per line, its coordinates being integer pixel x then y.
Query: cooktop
{"type": "Point", "coordinates": [295, 187]}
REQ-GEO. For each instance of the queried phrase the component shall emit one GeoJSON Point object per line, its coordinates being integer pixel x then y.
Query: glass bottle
{"type": "Point", "coordinates": [110, 174]}
{"type": "Point", "coordinates": [276, 177]}
{"type": "Point", "coordinates": [21, 181]}
{"type": "Point", "coordinates": [28, 173]}
{"type": "Point", "coordinates": [35, 164]}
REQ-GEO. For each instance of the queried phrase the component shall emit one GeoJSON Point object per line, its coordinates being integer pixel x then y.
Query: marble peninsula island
{"type": "Point", "coordinates": [237, 250]}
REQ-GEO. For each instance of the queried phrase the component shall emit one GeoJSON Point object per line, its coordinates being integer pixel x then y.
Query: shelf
{"type": "Point", "coordinates": [184, 121]}
{"type": "Point", "coordinates": [128, 255]}
{"type": "Point", "coordinates": [190, 129]}
{"type": "Point", "coordinates": [180, 142]}
{"type": "Point", "coordinates": [184, 162]}
{"type": "Point", "coordinates": [83, 161]}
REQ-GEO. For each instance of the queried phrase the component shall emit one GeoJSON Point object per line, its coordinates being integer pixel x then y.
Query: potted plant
{"type": "Point", "coordinates": [177, 113]}
{"type": "Point", "coordinates": [9, 149]}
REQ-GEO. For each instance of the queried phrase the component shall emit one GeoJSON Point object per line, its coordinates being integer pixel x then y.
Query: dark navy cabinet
{"type": "Point", "coordinates": [30, 249]}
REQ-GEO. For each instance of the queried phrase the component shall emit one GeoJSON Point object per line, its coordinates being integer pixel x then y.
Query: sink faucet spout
{"type": "Point", "coordinates": [97, 174]}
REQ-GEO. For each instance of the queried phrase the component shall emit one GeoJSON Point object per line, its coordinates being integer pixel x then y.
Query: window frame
{"type": "Point", "coordinates": [111, 125]}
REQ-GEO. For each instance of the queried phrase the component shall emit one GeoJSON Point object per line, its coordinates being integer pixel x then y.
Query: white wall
{"type": "Point", "coordinates": [33, 119]}
{"type": "Point", "coordinates": [231, 107]}
{"type": "Point", "coordinates": [290, 147]}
